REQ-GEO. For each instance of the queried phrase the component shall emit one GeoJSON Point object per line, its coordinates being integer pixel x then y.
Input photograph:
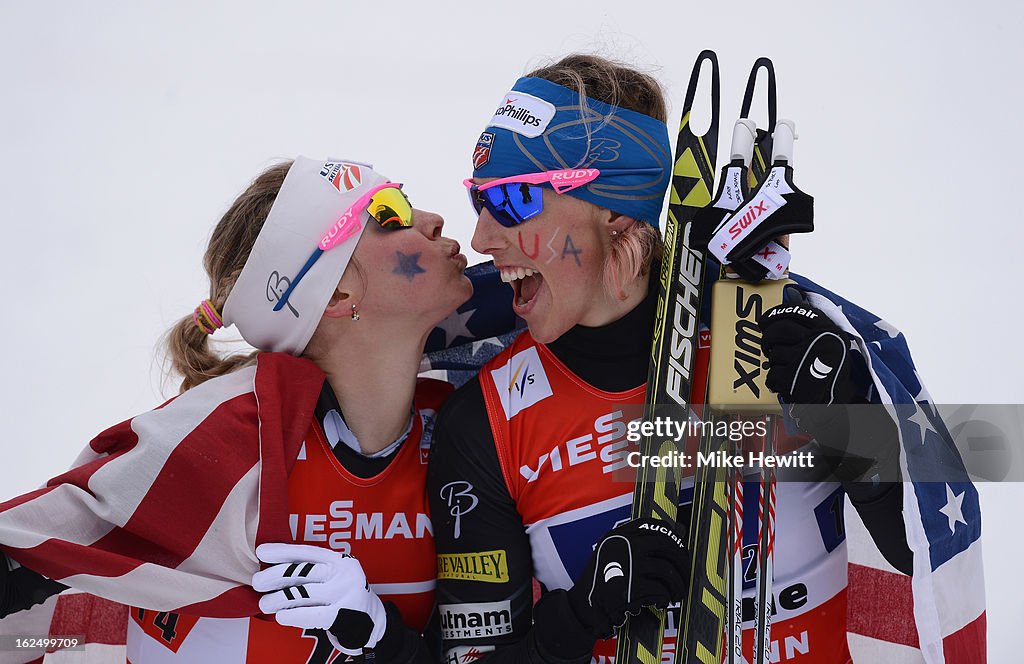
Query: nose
{"type": "Point", "coordinates": [488, 236]}
{"type": "Point", "coordinates": [428, 223]}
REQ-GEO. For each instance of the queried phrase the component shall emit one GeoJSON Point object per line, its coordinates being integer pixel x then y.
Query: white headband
{"type": "Point", "coordinates": [312, 198]}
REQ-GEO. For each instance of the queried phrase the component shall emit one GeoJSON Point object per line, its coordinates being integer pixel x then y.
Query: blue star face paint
{"type": "Point", "coordinates": [408, 265]}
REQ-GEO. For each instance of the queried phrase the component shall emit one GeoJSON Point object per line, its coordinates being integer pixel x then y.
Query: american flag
{"type": "Point", "coordinates": [477, 331]}
{"type": "Point", "coordinates": [164, 510]}
{"type": "Point", "coordinates": [943, 518]}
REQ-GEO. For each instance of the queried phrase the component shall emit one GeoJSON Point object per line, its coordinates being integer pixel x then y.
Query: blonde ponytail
{"type": "Point", "coordinates": [188, 347]}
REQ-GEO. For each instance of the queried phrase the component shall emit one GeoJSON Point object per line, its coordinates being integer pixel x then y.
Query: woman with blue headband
{"type": "Point", "coordinates": [569, 187]}
{"type": "Point", "coordinates": [288, 482]}
{"type": "Point", "coordinates": [529, 477]}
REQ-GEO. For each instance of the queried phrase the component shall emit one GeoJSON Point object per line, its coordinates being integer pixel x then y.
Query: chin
{"type": "Point", "coordinates": [462, 290]}
{"type": "Point", "coordinates": [458, 294]}
{"type": "Point", "coordinates": [547, 331]}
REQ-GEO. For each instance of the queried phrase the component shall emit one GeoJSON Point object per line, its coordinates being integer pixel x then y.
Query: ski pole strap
{"type": "Point", "coordinates": [775, 209]}
{"type": "Point", "coordinates": [743, 222]}
{"type": "Point", "coordinates": [774, 258]}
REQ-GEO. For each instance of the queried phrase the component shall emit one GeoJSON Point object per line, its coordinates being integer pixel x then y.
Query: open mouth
{"type": "Point", "coordinates": [526, 283]}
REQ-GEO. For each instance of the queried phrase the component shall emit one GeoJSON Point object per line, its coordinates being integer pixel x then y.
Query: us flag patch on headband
{"type": "Point", "coordinates": [482, 151]}
{"type": "Point", "coordinates": [342, 176]}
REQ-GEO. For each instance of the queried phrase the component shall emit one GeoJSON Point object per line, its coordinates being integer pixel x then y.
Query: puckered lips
{"type": "Point", "coordinates": [453, 254]}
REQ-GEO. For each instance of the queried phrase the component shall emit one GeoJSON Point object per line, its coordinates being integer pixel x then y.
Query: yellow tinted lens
{"type": "Point", "coordinates": [391, 209]}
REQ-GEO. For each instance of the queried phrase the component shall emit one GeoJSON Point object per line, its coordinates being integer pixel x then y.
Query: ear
{"type": "Point", "coordinates": [618, 223]}
{"type": "Point", "coordinates": [340, 304]}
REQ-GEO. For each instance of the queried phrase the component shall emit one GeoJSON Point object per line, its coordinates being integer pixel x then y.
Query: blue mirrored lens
{"type": "Point", "coordinates": [510, 204]}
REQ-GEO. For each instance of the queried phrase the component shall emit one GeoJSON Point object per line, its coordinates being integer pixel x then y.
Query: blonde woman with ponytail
{"type": "Point", "coordinates": [288, 483]}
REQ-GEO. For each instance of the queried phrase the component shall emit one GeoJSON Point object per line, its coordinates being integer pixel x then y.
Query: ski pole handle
{"type": "Point", "coordinates": [782, 141]}
{"type": "Point", "coordinates": [743, 135]}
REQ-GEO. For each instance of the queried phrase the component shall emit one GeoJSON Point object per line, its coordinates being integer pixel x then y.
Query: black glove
{"type": "Point", "coordinates": [812, 367]}
{"type": "Point", "coordinates": [641, 563]}
{"type": "Point", "coordinates": [808, 355]}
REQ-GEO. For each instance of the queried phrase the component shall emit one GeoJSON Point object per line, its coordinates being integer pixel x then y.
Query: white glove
{"type": "Point", "coordinates": [316, 588]}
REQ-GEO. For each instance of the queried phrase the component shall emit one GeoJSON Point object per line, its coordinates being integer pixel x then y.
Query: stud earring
{"type": "Point", "coordinates": [355, 314]}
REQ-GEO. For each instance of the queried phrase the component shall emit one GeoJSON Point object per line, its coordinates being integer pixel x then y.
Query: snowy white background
{"type": "Point", "coordinates": [127, 129]}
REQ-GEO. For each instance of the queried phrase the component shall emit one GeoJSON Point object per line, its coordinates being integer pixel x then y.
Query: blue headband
{"type": "Point", "coordinates": [538, 127]}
